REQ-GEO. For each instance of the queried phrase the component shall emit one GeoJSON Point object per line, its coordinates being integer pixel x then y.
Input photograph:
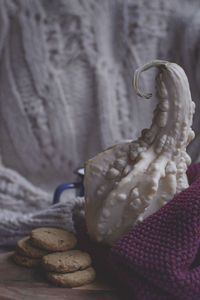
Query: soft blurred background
{"type": "Point", "coordinates": [66, 69]}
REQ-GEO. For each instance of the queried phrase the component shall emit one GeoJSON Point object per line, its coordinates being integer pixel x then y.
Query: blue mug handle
{"type": "Point", "coordinates": [70, 185]}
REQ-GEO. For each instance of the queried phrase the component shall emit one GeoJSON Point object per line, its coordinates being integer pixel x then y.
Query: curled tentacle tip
{"type": "Point", "coordinates": [153, 63]}
{"type": "Point", "coordinates": [138, 92]}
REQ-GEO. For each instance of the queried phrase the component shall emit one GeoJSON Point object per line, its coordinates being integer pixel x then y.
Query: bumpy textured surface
{"type": "Point", "coordinates": [65, 91]}
{"type": "Point", "coordinates": [24, 247]}
{"type": "Point", "coordinates": [159, 259]}
{"type": "Point", "coordinates": [131, 180]}
{"type": "Point", "coordinates": [73, 279]}
{"type": "Point", "coordinates": [68, 261]}
{"type": "Point", "coordinates": [53, 239]}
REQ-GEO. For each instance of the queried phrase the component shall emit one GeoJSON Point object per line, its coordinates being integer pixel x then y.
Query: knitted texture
{"type": "Point", "coordinates": [66, 92]}
{"type": "Point", "coordinates": [14, 226]}
{"type": "Point", "coordinates": [24, 207]}
{"type": "Point", "coordinates": [65, 80]}
{"type": "Point", "coordinates": [158, 259]}
{"type": "Point", "coordinates": [66, 72]}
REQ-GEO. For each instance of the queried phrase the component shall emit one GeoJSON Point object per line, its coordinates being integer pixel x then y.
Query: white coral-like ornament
{"type": "Point", "coordinates": [131, 180]}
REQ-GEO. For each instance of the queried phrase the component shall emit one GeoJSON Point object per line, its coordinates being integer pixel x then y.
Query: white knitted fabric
{"type": "Point", "coordinates": [66, 68]}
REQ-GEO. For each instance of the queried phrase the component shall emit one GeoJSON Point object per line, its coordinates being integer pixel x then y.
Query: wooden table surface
{"type": "Point", "coordinates": [22, 283]}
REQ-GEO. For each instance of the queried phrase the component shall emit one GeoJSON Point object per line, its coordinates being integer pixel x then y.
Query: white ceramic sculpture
{"type": "Point", "coordinates": [129, 181]}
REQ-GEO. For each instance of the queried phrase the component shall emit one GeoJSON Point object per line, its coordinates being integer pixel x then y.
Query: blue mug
{"type": "Point", "coordinates": [70, 185]}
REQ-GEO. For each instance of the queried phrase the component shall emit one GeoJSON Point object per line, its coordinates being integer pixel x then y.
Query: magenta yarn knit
{"type": "Point", "coordinates": [158, 259]}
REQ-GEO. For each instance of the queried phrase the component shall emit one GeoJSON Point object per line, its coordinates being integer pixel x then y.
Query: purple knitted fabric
{"type": "Point", "coordinates": [158, 259]}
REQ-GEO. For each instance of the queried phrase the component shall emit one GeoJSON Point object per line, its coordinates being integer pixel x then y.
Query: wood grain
{"type": "Point", "coordinates": [22, 283]}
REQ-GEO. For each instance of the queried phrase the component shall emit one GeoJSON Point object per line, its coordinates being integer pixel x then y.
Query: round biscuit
{"type": "Point", "coordinates": [53, 239]}
{"type": "Point", "coordinates": [73, 279]}
{"type": "Point", "coordinates": [67, 261]}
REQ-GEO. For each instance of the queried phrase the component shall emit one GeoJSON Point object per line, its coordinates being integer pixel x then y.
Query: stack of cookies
{"type": "Point", "coordinates": [53, 249]}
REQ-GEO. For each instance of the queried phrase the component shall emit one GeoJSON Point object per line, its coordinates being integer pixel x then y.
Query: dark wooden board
{"type": "Point", "coordinates": [22, 283]}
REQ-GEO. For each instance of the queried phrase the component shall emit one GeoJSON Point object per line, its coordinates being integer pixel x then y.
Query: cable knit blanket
{"type": "Point", "coordinates": [65, 92]}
